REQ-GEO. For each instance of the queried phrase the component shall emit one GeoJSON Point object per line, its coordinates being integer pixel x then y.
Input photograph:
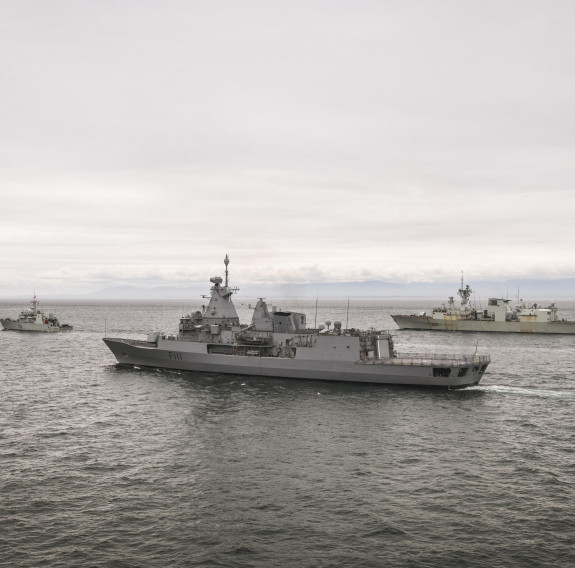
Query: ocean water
{"type": "Point", "coordinates": [117, 467]}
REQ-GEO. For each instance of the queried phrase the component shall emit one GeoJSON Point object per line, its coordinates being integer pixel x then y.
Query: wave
{"type": "Point", "coordinates": [524, 391]}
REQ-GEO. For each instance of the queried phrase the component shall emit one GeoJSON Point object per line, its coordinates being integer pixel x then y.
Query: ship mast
{"type": "Point", "coordinates": [226, 262]}
{"type": "Point", "coordinates": [221, 311]}
{"type": "Point", "coordinates": [464, 293]}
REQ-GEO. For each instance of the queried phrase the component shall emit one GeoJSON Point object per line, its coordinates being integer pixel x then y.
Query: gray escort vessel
{"type": "Point", "coordinates": [34, 319]}
{"type": "Point", "coordinates": [499, 316]}
{"type": "Point", "coordinates": [278, 344]}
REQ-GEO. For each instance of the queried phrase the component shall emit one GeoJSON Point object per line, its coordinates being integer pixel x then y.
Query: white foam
{"type": "Point", "coordinates": [522, 391]}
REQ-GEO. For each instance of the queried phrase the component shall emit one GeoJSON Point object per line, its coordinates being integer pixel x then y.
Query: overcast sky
{"type": "Point", "coordinates": [141, 141]}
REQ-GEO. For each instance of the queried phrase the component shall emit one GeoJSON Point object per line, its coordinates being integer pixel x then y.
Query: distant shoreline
{"type": "Point", "coordinates": [529, 290]}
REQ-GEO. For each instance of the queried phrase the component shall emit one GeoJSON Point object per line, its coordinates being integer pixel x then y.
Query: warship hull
{"type": "Point", "coordinates": [432, 324]}
{"type": "Point", "coordinates": [456, 371]}
{"type": "Point", "coordinates": [13, 325]}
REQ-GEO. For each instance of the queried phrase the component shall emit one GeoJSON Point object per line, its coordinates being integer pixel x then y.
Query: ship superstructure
{"type": "Point", "coordinates": [279, 344]}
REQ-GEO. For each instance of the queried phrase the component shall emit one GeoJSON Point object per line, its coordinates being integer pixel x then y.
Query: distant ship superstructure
{"type": "Point", "coordinates": [278, 344]}
{"type": "Point", "coordinates": [499, 316]}
{"type": "Point", "coordinates": [34, 319]}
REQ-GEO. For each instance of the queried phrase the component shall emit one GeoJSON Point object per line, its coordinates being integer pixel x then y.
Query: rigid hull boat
{"type": "Point", "coordinates": [34, 319]}
{"type": "Point", "coordinates": [500, 316]}
{"type": "Point", "coordinates": [278, 344]}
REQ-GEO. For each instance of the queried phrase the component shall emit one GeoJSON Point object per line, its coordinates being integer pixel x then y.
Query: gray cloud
{"type": "Point", "coordinates": [312, 140]}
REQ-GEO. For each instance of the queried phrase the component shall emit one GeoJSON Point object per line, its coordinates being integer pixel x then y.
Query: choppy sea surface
{"type": "Point", "coordinates": [108, 466]}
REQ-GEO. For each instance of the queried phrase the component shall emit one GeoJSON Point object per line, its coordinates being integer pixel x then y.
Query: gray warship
{"type": "Point", "coordinates": [499, 316]}
{"type": "Point", "coordinates": [34, 319]}
{"type": "Point", "coordinates": [279, 344]}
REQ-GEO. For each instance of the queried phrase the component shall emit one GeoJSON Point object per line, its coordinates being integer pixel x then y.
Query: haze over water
{"type": "Point", "coordinates": [118, 467]}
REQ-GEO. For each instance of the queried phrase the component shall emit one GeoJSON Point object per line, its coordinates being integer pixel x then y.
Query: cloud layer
{"type": "Point", "coordinates": [402, 141]}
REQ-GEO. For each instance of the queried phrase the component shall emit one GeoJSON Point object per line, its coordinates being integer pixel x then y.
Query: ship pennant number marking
{"type": "Point", "coordinates": [174, 355]}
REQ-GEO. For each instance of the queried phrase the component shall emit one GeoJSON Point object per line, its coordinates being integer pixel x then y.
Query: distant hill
{"type": "Point", "coordinates": [528, 289]}
{"type": "Point", "coordinates": [135, 293]}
